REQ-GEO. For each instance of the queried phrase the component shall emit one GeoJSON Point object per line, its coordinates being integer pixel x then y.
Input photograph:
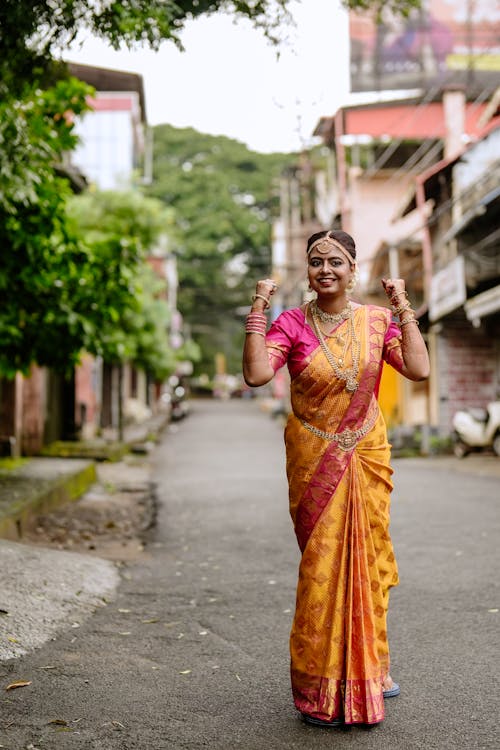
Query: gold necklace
{"type": "Point", "coordinates": [327, 317]}
{"type": "Point", "coordinates": [349, 374]}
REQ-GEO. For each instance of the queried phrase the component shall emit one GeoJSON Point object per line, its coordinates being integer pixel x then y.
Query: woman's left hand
{"type": "Point", "coordinates": [394, 288]}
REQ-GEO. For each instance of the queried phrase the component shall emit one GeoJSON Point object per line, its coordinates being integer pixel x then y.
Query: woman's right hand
{"type": "Point", "coordinates": [264, 290]}
{"type": "Point", "coordinates": [257, 369]}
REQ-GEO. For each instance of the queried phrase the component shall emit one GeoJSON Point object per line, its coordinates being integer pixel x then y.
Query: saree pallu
{"type": "Point", "coordinates": [339, 488]}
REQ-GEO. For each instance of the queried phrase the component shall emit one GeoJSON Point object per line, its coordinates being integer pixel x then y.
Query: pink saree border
{"type": "Point", "coordinates": [354, 701]}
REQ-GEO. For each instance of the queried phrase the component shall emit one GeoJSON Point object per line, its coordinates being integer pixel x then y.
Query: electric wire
{"type": "Point", "coordinates": [415, 166]}
{"type": "Point", "coordinates": [382, 159]}
{"type": "Point", "coordinates": [426, 100]}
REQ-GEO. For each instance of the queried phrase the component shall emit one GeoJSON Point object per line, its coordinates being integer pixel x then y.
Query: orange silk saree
{"type": "Point", "coordinates": [339, 489]}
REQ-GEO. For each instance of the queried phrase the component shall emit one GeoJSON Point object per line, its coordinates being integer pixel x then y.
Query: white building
{"type": "Point", "coordinates": [112, 134]}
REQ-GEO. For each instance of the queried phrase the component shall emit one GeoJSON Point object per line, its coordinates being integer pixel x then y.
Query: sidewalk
{"type": "Point", "coordinates": [44, 589]}
{"type": "Point", "coordinates": [67, 566]}
{"type": "Point", "coordinates": [476, 464]}
{"type": "Point", "coordinates": [34, 486]}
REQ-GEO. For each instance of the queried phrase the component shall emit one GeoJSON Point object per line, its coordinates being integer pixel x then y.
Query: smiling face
{"type": "Point", "coordinates": [329, 273]}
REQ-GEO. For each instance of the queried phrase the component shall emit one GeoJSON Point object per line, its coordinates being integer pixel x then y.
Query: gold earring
{"type": "Point", "coordinates": [353, 281]}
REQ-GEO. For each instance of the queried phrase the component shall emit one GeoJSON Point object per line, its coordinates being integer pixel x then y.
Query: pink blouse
{"type": "Point", "coordinates": [291, 340]}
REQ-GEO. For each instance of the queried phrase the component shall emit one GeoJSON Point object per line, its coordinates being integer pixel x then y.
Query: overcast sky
{"type": "Point", "coordinates": [229, 81]}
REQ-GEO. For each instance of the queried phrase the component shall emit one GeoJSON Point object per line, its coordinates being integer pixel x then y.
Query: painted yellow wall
{"type": "Point", "coordinates": [389, 396]}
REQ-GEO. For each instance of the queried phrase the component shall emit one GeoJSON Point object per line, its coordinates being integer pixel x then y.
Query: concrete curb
{"type": "Point", "coordinates": [38, 486]}
{"type": "Point", "coordinates": [97, 451]}
{"type": "Point", "coordinates": [109, 448]}
{"type": "Point", "coordinates": [35, 486]}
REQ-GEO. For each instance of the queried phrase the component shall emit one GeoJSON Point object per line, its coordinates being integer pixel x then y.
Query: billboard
{"type": "Point", "coordinates": [445, 42]}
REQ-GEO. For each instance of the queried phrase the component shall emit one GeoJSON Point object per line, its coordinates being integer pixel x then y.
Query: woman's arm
{"type": "Point", "coordinates": [415, 358]}
{"type": "Point", "coordinates": [256, 367]}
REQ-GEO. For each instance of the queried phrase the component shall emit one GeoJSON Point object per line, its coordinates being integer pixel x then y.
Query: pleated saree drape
{"type": "Point", "coordinates": [339, 487]}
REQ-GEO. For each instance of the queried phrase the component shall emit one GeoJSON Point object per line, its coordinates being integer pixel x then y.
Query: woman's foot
{"type": "Point", "coordinates": [390, 688]}
{"type": "Point", "coordinates": [322, 722]}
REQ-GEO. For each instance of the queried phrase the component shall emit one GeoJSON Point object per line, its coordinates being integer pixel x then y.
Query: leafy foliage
{"type": "Point", "coordinates": [130, 318]}
{"type": "Point", "coordinates": [41, 261]}
{"type": "Point", "coordinates": [381, 7]}
{"type": "Point", "coordinates": [128, 21]}
{"type": "Point", "coordinates": [69, 282]}
{"type": "Point", "coordinates": [30, 30]}
{"type": "Point", "coordinates": [147, 327]}
{"type": "Point", "coordinates": [224, 197]}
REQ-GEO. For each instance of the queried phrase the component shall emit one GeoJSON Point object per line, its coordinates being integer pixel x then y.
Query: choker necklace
{"type": "Point", "coordinates": [326, 317]}
{"type": "Point", "coordinates": [349, 374]}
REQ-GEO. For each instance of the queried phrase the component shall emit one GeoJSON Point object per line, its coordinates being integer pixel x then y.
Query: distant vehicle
{"type": "Point", "coordinates": [175, 395]}
{"type": "Point", "coordinates": [477, 429]}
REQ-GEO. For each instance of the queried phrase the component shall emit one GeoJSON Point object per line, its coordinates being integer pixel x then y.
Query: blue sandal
{"type": "Point", "coordinates": [393, 691]}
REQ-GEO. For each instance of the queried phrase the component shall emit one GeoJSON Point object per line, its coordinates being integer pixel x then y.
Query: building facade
{"type": "Point", "coordinates": [392, 178]}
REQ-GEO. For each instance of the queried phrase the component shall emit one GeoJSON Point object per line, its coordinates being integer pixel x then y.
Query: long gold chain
{"type": "Point", "coordinates": [349, 374]}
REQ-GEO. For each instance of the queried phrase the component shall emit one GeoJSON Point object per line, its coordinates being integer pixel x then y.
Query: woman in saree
{"type": "Point", "coordinates": [339, 475]}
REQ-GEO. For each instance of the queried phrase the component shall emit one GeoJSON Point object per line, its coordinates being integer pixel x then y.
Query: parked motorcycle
{"type": "Point", "coordinates": [476, 429]}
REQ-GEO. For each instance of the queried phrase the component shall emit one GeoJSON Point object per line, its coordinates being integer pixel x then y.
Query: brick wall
{"type": "Point", "coordinates": [467, 369]}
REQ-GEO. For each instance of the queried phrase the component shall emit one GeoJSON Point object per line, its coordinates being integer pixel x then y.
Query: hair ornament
{"type": "Point", "coordinates": [325, 244]}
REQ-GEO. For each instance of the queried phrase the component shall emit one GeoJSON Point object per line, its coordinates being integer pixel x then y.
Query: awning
{"type": "Point", "coordinates": [470, 215]}
{"type": "Point", "coordinates": [482, 305]}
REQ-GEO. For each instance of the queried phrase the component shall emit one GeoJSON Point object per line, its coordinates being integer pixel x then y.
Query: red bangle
{"type": "Point", "coordinates": [256, 322]}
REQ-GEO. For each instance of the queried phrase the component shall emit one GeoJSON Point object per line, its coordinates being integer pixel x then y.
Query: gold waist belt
{"type": "Point", "coordinates": [346, 439]}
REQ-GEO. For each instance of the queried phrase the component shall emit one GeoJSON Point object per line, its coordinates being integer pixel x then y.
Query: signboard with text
{"type": "Point", "coordinates": [445, 42]}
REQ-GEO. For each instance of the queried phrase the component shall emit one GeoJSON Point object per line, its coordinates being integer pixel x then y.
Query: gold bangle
{"type": "Point", "coordinates": [401, 309]}
{"type": "Point", "coordinates": [394, 298]}
{"type": "Point", "coordinates": [261, 296]}
{"type": "Point", "coordinates": [408, 320]}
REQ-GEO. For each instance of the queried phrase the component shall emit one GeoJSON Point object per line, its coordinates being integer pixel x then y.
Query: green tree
{"type": "Point", "coordinates": [30, 30]}
{"type": "Point", "coordinates": [42, 265]}
{"type": "Point", "coordinates": [130, 318]}
{"type": "Point", "coordinates": [148, 327]}
{"type": "Point", "coordinates": [45, 271]}
{"type": "Point", "coordinates": [224, 197]}
{"type": "Point", "coordinates": [70, 281]}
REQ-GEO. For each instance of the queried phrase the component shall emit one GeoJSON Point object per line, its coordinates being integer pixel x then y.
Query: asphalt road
{"type": "Point", "coordinates": [193, 651]}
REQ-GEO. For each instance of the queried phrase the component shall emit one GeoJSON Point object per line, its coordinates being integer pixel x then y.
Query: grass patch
{"type": "Point", "coordinates": [11, 464]}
